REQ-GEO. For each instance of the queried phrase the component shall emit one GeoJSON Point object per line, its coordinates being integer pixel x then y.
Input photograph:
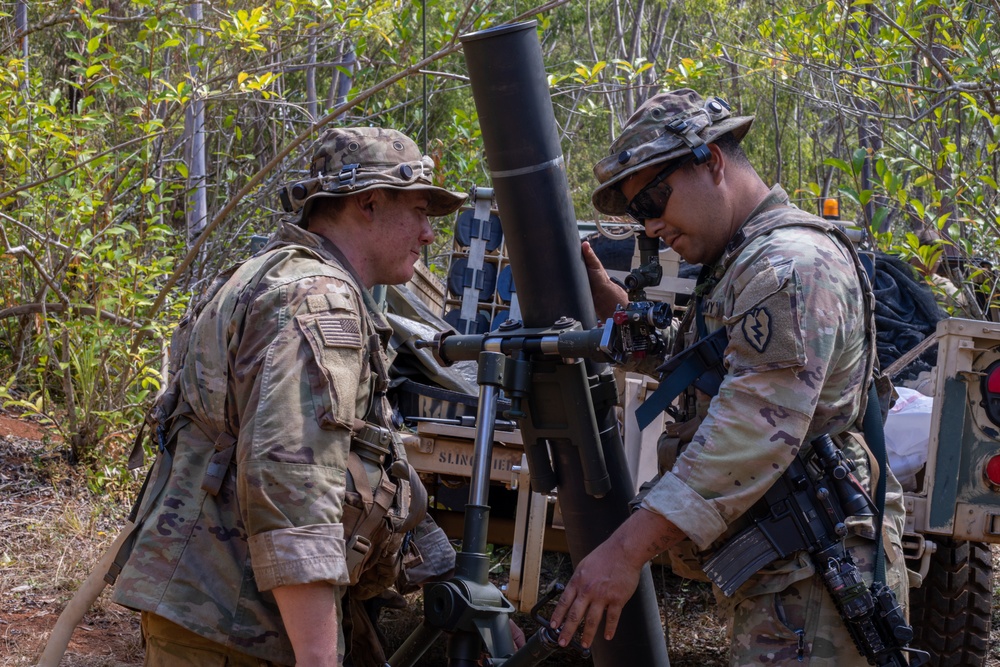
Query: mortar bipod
{"type": "Point", "coordinates": [552, 398]}
{"type": "Point", "coordinates": [472, 610]}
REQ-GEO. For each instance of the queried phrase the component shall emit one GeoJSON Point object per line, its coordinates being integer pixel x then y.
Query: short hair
{"type": "Point", "coordinates": [330, 208]}
{"type": "Point", "coordinates": [325, 208]}
{"type": "Point", "coordinates": [731, 148]}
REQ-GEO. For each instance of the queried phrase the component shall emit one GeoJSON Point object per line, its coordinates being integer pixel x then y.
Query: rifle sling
{"type": "Point", "coordinates": [700, 365]}
{"type": "Point", "coordinates": [875, 439]}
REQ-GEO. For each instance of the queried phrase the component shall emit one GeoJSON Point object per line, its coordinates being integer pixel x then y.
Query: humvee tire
{"type": "Point", "coordinates": [950, 612]}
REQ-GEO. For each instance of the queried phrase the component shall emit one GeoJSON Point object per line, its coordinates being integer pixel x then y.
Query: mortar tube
{"type": "Point", "coordinates": [528, 171]}
{"type": "Point", "coordinates": [511, 93]}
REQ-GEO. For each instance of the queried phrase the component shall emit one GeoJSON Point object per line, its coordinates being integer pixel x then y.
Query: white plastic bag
{"type": "Point", "coordinates": [907, 432]}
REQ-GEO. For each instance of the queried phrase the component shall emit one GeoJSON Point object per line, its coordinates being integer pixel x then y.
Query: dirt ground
{"type": "Point", "coordinates": [53, 531]}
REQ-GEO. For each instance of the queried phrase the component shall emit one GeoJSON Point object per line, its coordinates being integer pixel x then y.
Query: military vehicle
{"type": "Point", "coordinates": [953, 511]}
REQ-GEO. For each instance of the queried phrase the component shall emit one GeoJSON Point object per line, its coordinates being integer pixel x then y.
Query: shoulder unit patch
{"type": "Point", "coordinates": [757, 328]}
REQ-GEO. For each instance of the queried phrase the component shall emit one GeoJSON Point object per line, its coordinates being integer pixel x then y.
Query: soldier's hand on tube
{"type": "Point", "coordinates": [607, 578]}
{"type": "Point", "coordinates": [606, 294]}
{"type": "Point", "coordinates": [602, 583]}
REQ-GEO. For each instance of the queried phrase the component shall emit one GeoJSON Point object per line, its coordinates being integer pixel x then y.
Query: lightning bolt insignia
{"type": "Point", "coordinates": [757, 328]}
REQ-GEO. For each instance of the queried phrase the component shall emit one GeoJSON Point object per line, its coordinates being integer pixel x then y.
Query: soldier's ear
{"type": "Point", "coordinates": [716, 163]}
{"type": "Point", "coordinates": [365, 201]}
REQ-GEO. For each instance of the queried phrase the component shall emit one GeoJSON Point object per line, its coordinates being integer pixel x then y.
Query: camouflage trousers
{"type": "Point", "coordinates": [170, 645]}
{"type": "Point", "coordinates": [799, 624]}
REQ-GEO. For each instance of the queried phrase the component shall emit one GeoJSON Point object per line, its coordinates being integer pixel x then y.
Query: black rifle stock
{"type": "Point", "coordinates": [570, 430]}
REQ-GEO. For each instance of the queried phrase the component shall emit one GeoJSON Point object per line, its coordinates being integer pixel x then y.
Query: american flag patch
{"type": "Point", "coordinates": [340, 332]}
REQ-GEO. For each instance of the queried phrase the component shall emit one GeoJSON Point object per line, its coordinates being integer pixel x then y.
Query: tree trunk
{"type": "Point", "coordinates": [340, 82]}
{"type": "Point", "coordinates": [311, 103]}
{"type": "Point", "coordinates": [197, 208]}
{"type": "Point", "coordinates": [943, 176]}
{"type": "Point", "coordinates": [777, 130]}
{"type": "Point", "coordinates": [635, 46]}
{"type": "Point", "coordinates": [869, 135]}
{"type": "Point", "coordinates": [21, 28]}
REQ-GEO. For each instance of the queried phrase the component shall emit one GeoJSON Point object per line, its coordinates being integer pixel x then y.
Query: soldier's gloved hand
{"type": "Point", "coordinates": [607, 295]}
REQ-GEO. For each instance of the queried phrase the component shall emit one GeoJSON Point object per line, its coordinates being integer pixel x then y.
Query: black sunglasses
{"type": "Point", "coordinates": [651, 201]}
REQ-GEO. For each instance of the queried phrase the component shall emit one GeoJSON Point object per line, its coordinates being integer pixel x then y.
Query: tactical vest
{"type": "Point", "coordinates": [693, 327]}
{"type": "Point", "coordinates": [384, 498]}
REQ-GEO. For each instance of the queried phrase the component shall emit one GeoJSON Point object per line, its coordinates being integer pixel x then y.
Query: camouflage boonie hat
{"type": "Point", "coordinates": [351, 160]}
{"type": "Point", "coordinates": [667, 126]}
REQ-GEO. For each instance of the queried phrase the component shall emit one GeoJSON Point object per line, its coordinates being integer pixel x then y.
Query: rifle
{"type": "Point", "coordinates": [806, 510]}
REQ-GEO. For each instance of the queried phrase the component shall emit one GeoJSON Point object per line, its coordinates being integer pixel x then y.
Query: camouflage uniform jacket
{"type": "Point", "coordinates": [799, 355]}
{"type": "Point", "coordinates": [279, 358]}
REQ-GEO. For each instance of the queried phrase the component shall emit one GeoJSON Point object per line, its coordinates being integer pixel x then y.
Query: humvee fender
{"type": "Point", "coordinates": [954, 514]}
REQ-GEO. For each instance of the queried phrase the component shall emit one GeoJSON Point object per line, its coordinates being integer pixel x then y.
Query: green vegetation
{"type": "Point", "coordinates": [112, 216]}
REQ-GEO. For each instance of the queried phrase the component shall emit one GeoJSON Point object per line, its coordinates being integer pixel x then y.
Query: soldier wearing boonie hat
{"type": "Point", "coordinates": [787, 295]}
{"type": "Point", "coordinates": [351, 160]}
{"type": "Point", "coordinates": [667, 127]}
{"type": "Point", "coordinates": [283, 504]}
